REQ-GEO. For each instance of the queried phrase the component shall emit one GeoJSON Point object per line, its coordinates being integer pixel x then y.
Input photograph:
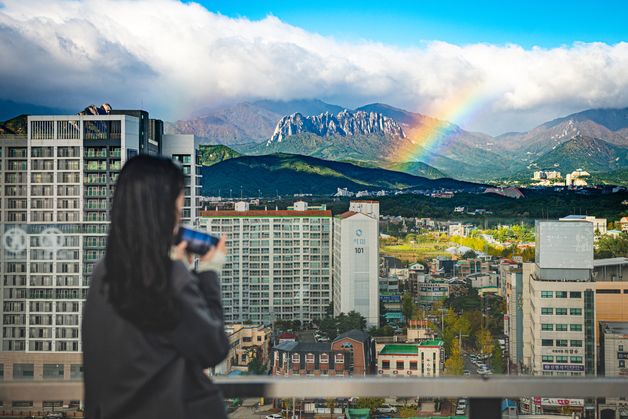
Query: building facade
{"type": "Point", "coordinates": [279, 263]}
{"type": "Point", "coordinates": [410, 359]}
{"type": "Point", "coordinates": [356, 261]}
{"type": "Point", "coordinates": [247, 342]}
{"type": "Point", "coordinates": [182, 150]}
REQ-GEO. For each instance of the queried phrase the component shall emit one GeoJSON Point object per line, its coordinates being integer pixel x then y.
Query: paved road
{"type": "Point", "coordinates": [249, 409]}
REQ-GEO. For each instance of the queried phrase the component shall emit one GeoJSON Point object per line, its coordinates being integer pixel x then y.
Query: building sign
{"type": "Point", "coordinates": [565, 351]}
{"type": "Point", "coordinates": [622, 355]}
{"type": "Point", "coordinates": [543, 401]}
{"type": "Point", "coordinates": [562, 367]}
{"type": "Point", "coordinates": [390, 298]}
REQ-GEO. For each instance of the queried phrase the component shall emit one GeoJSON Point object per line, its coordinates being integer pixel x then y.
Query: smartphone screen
{"type": "Point", "coordinates": [198, 242]}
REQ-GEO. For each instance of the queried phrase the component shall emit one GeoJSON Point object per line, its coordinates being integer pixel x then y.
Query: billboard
{"type": "Point", "coordinates": [564, 245]}
{"type": "Point", "coordinates": [562, 367]}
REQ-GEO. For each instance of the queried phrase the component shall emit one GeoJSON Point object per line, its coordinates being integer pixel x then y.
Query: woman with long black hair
{"type": "Point", "coordinates": [151, 325]}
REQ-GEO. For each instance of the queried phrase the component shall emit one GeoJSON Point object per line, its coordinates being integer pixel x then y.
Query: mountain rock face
{"type": "Point", "coordinates": [343, 124]}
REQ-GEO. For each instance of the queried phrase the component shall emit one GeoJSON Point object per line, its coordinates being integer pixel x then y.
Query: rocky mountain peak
{"type": "Point", "coordinates": [344, 124]}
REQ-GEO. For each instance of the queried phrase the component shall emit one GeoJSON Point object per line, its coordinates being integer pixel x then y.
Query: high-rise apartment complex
{"type": "Point", "coordinates": [182, 150]}
{"type": "Point", "coordinates": [57, 186]}
{"type": "Point", "coordinates": [279, 262]}
{"type": "Point", "coordinates": [356, 261]}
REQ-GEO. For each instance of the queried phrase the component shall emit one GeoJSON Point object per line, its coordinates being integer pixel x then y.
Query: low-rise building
{"type": "Point", "coordinates": [613, 362]}
{"type": "Point", "coordinates": [430, 292]}
{"type": "Point", "coordinates": [247, 342]}
{"type": "Point", "coordinates": [599, 224]}
{"type": "Point", "coordinates": [419, 331]}
{"type": "Point", "coordinates": [349, 354]}
{"type": "Point", "coordinates": [410, 359]}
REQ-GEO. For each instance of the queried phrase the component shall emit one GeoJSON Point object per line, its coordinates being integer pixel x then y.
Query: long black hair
{"type": "Point", "coordinates": [137, 262]}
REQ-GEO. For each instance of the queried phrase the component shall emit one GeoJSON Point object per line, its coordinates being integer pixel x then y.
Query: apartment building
{"type": "Point", "coordinates": [356, 260]}
{"type": "Point", "coordinates": [182, 150]}
{"type": "Point", "coordinates": [279, 262]}
{"type": "Point", "coordinates": [57, 185]}
{"type": "Point", "coordinates": [613, 362]}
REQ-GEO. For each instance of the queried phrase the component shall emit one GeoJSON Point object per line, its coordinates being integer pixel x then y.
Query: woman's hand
{"type": "Point", "coordinates": [217, 252]}
{"type": "Point", "coordinates": [179, 253]}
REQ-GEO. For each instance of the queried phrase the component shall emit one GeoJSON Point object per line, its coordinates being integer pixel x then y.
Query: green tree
{"type": "Point", "coordinates": [329, 327]}
{"type": "Point", "coordinates": [407, 306]}
{"type": "Point", "coordinates": [370, 403]}
{"type": "Point", "coordinates": [469, 254]}
{"type": "Point", "coordinates": [331, 404]}
{"type": "Point", "coordinates": [610, 247]}
{"type": "Point", "coordinates": [256, 367]}
{"type": "Point", "coordinates": [497, 362]}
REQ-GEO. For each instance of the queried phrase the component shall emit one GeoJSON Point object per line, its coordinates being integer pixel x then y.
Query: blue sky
{"type": "Point", "coordinates": [527, 23]}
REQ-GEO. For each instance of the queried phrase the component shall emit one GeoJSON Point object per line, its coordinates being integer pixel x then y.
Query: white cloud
{"type": "Point", "coordinates": [176, 58]}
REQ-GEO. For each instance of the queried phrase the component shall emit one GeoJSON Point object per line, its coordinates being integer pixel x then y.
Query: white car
{"type": "Point", "coordinates": [386, 409]}
{"type": "Point", "coordinates": [273, 416]}
{"type": "Point", "coordinates": [460, 411]}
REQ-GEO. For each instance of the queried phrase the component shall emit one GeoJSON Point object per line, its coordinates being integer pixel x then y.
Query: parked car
{"type": "Point", "coordinates": [467, 372]}
{"type": "Point", "coordinates": [273, 416]}
{"type": "Point", "coordinates": [54, 415]}
{"type": "Point", "coordinates": [386, 409]}
{"type": "Point", "coordinates": [460, 411]}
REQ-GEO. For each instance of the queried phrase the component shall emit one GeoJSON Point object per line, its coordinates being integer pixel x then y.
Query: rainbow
{"type": "Point", "coordinates": [429, 135]}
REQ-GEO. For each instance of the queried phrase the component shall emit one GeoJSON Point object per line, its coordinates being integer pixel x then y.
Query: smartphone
{"type": "Point", "coordinates": [198, 242]}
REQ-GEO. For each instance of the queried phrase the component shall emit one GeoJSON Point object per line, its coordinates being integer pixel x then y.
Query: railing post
{"type": "Point", "coordinates": [485, 409]}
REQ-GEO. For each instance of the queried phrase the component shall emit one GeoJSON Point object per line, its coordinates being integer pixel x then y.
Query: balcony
{"type": "Point", "coordinates": [485, 394]}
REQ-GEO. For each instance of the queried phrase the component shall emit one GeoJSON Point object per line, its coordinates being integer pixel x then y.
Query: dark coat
{"type": "Point", "coordinates": [134, 374]}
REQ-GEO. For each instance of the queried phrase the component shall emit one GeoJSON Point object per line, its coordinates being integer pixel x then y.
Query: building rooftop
{"type": "Point", "coordinates": [346, 214]}
{"type": "Point", "coordinates": [304, 347]}
{"type": "Point", "coordinates": [433, 342]}
{"type": "Point", "coordinates": [615, 328]}
{"type": "Point", "coordinates": [609, 261]}
{"type": "Point", "coordinates": [266, 213]}
{"type": "Point", "coordinates": [354, 334]}
{"type": "Point", "coordinates": [400, 349]}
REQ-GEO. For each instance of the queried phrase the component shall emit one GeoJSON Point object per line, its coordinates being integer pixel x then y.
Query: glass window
{"type": "Point", "coordinates": [622, 363]}
{"type": "Point", "coordinates": [76, 371]}
{"type": "Point", "coordinates": [53, 371]}
{"type": "Point", "coordinates": [385, 365]}
{"type": "Point", "coordinates": [547, 310]}
{"type": "Point", "coordinates": [575, 311]}
{"type": "Point", "coordinates": [547, 342]}
{"type": "Point", "coordinates": [401, 365]}
{"type": "Point", "coordinates": [575, 360]}
{"type": "Point", "coordinates": [576, 343]}
{"type": "Point", "coordinates": [547, 327]}
{"type": "Point", "coordinates": [575, 294]}
{"type": "Point", "coordinates": [413, 365]}
{"type": "Point", "coordinates": [561, 327]}
{"type": "Point", "coordinates": [561, 359]}
{"type": "Point", "coordinates": [547, 294]}
{"type": "Point", "coordinates": [561, 311]}
{"type": "Point", "coordinates": [562, 342]}
{"type": "Point", "coordinates": [547, 358]}
{"type": "Point", "coordinates": [23, 371]}
{"type": "Point", "coordinates": [561, 294]}
{"type": "Point", "coordinates": [575, 327]}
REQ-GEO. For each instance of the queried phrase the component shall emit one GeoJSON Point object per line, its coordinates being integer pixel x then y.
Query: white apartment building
{"type": "Point", "coordinates": [57, 185]}
{"type": "Point", "coordinates": [356, 260]}
{"type": "Point", "coordinates": [181, 149]}
{"type": "Point", "coordinates": [279, 262]}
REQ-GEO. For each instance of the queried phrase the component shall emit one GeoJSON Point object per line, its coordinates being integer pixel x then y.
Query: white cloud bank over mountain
{"type": "Point", "coordinates": [174, 58]}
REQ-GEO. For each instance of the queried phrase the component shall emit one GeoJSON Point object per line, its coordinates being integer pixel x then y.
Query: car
{"type": "Point", "coordinates": [273, 416]}
{"type": "Point", "coordinates": [460, 411]}
{"type": "Point", "coordinates": [462, 403]}
{"type": "Point", "coordinates": [386, 408]}
{"type": "Point", "coordinates": [55, 415]}
{"type": "Point", "coordinates": [323, 339]}
{"type": "Point", "coordinates": [467, 373]}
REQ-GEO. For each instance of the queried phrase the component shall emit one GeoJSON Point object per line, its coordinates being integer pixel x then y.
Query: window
{"type": "Point", "coordinates": [547, 294]}
{"type": "Point", "coordinates": [575, 360]}
{"type": "Point", "coordinates": [561, 294]}
{"type": "Point", "coordinates": [324, 359]}
{"type": "Point", "coordinates": [547, 327]}
{"type": "Point", "coordinates": [296, 358]}
{"type": "Point", "coordinates": [622, 363]}
{"type": "Point", "coordinates": [547, 310]}
{"type": "Point", "coordinates": [575, 294]}
{"type": "Point", "coordinates": [562, 343]}
{"type": "Point", "coordinates": [547, 358]}
{"type": "Point", "coordinates": [561, 327]}
{"type": "Point", "coordinates": [401, 365]}
{"type": "Point", "coordinates": [340, 359]}
{"type": "Point", "coordinates": [385, 365]}
{"type": "Point", "coordinates": [620, 348]}
{"type": "Point", "coordinates": [22, 403]}
{"type": "Point", "coordinates": [575, 327]}
{"type": "Point", "coordinates": [23, 371]}
{"type": "Point", "coordinates": [547, 342]}
{"type": "Point", "coordinates": [561, 311]}
{"type": "Point", "coordinates": [561, 359]}
{"type": "Point", "coordinates": [576, 343]}
{"type": "Point", "coordinates": [413, 365]}
{"type": "Point", "coordinates": [575, 311]}
{"type": "Point", "coordinates": [76, 371]}
{"type": "Point", "coordinates": [309, 358]}
{"type": "Point", "coordinates": [53, 371]}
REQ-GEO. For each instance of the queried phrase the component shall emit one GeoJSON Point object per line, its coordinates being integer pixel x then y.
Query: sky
{"type": "Point", "coordinates": [486, 66]}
